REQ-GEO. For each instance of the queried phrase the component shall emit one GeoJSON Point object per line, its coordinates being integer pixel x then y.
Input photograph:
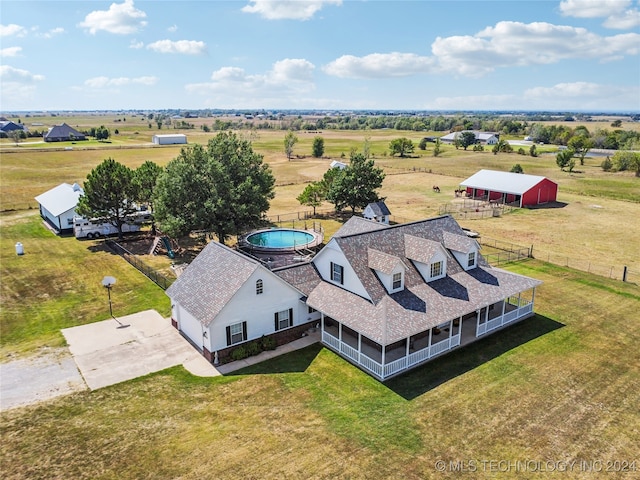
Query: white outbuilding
{"type": "Point", "coordinates": [170, 139]}
{"type": "Point", "coordinates": [58, 206]}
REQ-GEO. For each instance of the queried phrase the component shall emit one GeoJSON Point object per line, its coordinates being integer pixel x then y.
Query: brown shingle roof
{"type": "Point", "coordinates": [358, 225]}
{"type": "Point", "coordinates": [211, 280]}
{"type": "Point", "coordinates": [383, 262]}
{"type": "Point", "coordinates": [391, 317]}
{"type": "Point", "coordinates": [303, 276]}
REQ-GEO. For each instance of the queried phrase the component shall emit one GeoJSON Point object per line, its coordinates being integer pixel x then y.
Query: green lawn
{"type": "Point", "coordinates": [56, 284]}
{"type": "Point", "coordinates": [561, 386]}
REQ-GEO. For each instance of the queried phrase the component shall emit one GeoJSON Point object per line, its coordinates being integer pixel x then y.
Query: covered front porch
{"type": "Point", "coordinates": [385, 361]}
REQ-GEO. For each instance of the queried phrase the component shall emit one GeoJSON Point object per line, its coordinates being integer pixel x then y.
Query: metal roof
{"type": "Point", "coordinates": [60, 199]}
{"type": "Point", "coordinates": [506, 182]}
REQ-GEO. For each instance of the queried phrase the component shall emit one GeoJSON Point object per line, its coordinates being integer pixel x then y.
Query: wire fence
{"type": "Point", "coordinates": [502, 252]}
{"type": "Point", "coordinates": [159, 279]}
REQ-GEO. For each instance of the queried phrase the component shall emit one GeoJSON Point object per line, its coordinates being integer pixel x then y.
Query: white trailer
{"type": "Point", "coordinates": [84, 228]}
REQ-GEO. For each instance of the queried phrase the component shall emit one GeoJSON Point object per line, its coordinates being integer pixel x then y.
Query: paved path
{"type": "Point", "coordinates": [103, 353]}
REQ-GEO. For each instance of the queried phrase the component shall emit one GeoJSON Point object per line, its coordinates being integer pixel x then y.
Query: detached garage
{"type": "Point", "coordinates": [170, 139]}
{"type": "Point", "coordinates": [511, 188]}
{"type": "Point", "coordinates": [58, 206]}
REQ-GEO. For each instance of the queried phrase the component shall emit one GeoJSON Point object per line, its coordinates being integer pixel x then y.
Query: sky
{"type": "Point", "coordinates": [540, 55]}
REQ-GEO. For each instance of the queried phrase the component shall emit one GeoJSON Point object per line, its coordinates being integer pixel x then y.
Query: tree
{"type": "Point", "coordinates": [423, 143]}
{"type": "Point", "coordinates": [502, 146]}
{"type": "Point", "coordinates": [627, 160]}
{"type": "Point", "coordinates": [312, 195]}
{"type": "Point", "coordinates": [145, 178]}
{"type": "Point", "coordinates": [109, 194]}
{"type": "Point", "coordinates": [466, 139]}
{"type": "Point", "coordinates": [402, 146]}
{"type": "Point", "coordinates": [616, 123]}
{"type": "Point", "coordinates": [224, 188]}
{"type": "Point", "coordinates": [564, 159]}
{"type": "Point", "coordinates": [16, 135]}
{"type": "Point", "coordinates": [102, 133]}
{"type": "Point", "coordinates": [356, 185]}
{"type": "Point", "coordinates": [517, 168]}
{"type": "Point", "coordinates": [533, 151]}
{"type": "Point", "coordinates": [290, 140]}
{"type": "Point", "coordinates": [581, 146]}
{"type": "Point", "coordinates": [437, 149]}
{"type": "Point", "coordinates": [318, 147]}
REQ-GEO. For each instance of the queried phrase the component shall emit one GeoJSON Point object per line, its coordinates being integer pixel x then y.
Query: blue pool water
{"type": "Point", "coordinates": [280, 238]}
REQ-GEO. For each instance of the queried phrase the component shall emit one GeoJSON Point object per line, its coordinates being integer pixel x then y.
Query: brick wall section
{"type": "Point", "coordinates": [283, 337]}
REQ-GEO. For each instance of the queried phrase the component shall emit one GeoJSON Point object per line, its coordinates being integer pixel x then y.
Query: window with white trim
{"type": "Point", "coordinates": [337, 273]}
{"type": "Point", "coordinates": [259, 287]}
{"type": "Point", "coordinates": [471, 260]}
{"type": "Point", "coordinates": [283, 319]}
{"type": "Point", "coordinates": [436, 269]}
{"type": "Point", "coordinates": [236, 333]}
{"type": "Point", "coordinates": [397, 281]}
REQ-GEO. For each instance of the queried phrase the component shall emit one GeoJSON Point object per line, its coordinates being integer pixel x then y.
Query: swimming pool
{"type": "Point", "coordinates": [281, 239]}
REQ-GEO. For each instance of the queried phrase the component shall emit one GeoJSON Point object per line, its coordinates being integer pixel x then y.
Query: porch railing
{"type": "Point", "coordinates": [494, 323]}
{"type": "Point", "coordinates": [391, 368]}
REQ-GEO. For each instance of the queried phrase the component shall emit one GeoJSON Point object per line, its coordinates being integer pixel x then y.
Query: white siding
{"type": "Point", "coordinates": [189, 326]}
{"type": "Point", "coordinates": [334, 254]}
{"type": "Point", "coordinates": [425, 268]}
{"type": "Point", "coordinates": [257, 310]}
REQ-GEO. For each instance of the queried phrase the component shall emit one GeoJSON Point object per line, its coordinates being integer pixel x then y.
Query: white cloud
{"type": "Point", "coordinates": [106, 82]}
{"type": "Point", "coordinates": [10, 74]}
{"type": "Point", "coordinates": [173, 28]}
{"type": "Point", "coordinates": [287, 80]}
{"type": "Point", "coordinates": [17, 86]}
{"type": "Point", "coordinates": [136, 45]}
{"type": "Point", "coordinates": [288, 9]}
{"type": "Point", "coordinates": [592, 8]}
{"type": "Point", "coordinates": [51, 33]}
{"type": "Point", "coordinates": [519, 44]}
{"type": "Point", "coordinates": [12, 29]}
{"type": "Point", "coordinates": [616, 12]}
{"type": "Point", "coordinates": [379, 65]}
{"type": "Point", "coordinates": [122, 19]}
{"type": "Point", "coordinates": [10, 52]}
{"type": "Point", "coordinates": [562, 96]}
{"type": "Point", "coordinates": [184, 47]}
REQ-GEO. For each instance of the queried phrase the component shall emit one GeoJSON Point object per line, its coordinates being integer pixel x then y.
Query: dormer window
{"type": "Point", "coordinates": [471, 260]}
{"type": "Point", "coordinates": [259, 287]}
{"type": "Point", "coordinates": [436, 269]}
{"type": "Point", "coordinates": [397, 281]}
{"type": "Point", "coordinates": [337, 273]}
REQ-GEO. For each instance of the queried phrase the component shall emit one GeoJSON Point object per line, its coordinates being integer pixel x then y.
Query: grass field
{"type": "Point", "coordinates": [562, 386]}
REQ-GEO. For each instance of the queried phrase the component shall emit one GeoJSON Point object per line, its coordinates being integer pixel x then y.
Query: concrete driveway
{"type": "Point", "coordinates": [107, 354]}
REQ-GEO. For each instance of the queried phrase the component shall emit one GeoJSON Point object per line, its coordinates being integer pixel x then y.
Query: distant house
{"type": "Point", "coordinates": [386, 298]}
{"type": "Point", "coordinates": [484, 138]}
{"type": "Point", "coordinates": [7, 126]}
{"type": "Point", "coordinates": [337, 164]}
{"type": "Point", "coordinates": [63, 133]}
{"type": "Point", "coordinates": [378, 212]}
{"type": "Point", "coordinates": [506, 187]}
{"type": "Point", "coordinates": [58, 206]}
{"type": "Point", "coordinates": [169, 139]}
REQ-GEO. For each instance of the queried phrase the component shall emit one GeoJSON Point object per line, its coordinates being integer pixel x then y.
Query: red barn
{"type": "Point", "coordinates": [506, 187]}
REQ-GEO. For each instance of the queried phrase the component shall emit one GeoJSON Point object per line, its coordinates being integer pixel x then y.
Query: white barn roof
{"type": "Point", "coordinates": [506, 182]}
{"type": "Point", "coordinates": [60, 199]}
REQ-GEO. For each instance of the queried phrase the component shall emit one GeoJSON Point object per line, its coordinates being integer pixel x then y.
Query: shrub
{"type": "Point", "coordinates": [253, 348]}
{"type": "Point", "coordinates": [517, 168]}
{"type": "Point", "coordinates": [268, 343]}
{"type": "Point", "coordinates": [521, 151]}
{"type": "Point", "coordinates": [478, 148]}
{"type": "Point", "coordinates": [239, 353]}
{"type": "Point", "coordinates": [607, 164]}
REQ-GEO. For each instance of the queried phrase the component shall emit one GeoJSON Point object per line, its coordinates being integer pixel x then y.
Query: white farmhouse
{"type": "Point", "coordinates": [387, 298]}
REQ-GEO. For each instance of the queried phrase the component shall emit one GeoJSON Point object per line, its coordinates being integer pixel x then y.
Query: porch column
{"type": "Point", "coordinates": [429, 347]}
{"type": "Point", "coordinates": [407, 349]}
{"type": "Point", "coordinates": [533, 296]}
{"type": "Point", "coordinates": [503, 308]}
{"type": "Point", "coordinates": [478, 321]}
{"type": "Point", "coordinates": [359, 346]}
{"type": "Point", "coordinates": [321, 324]}
{"type": "Point", "coordinates": [340, 331]}
{"type": "Point", "coordinates": [486, 314]}
{"type": "Point", "coordinates": [518, 310]}
{"type": "Point", "coordinates": [384, 348]}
